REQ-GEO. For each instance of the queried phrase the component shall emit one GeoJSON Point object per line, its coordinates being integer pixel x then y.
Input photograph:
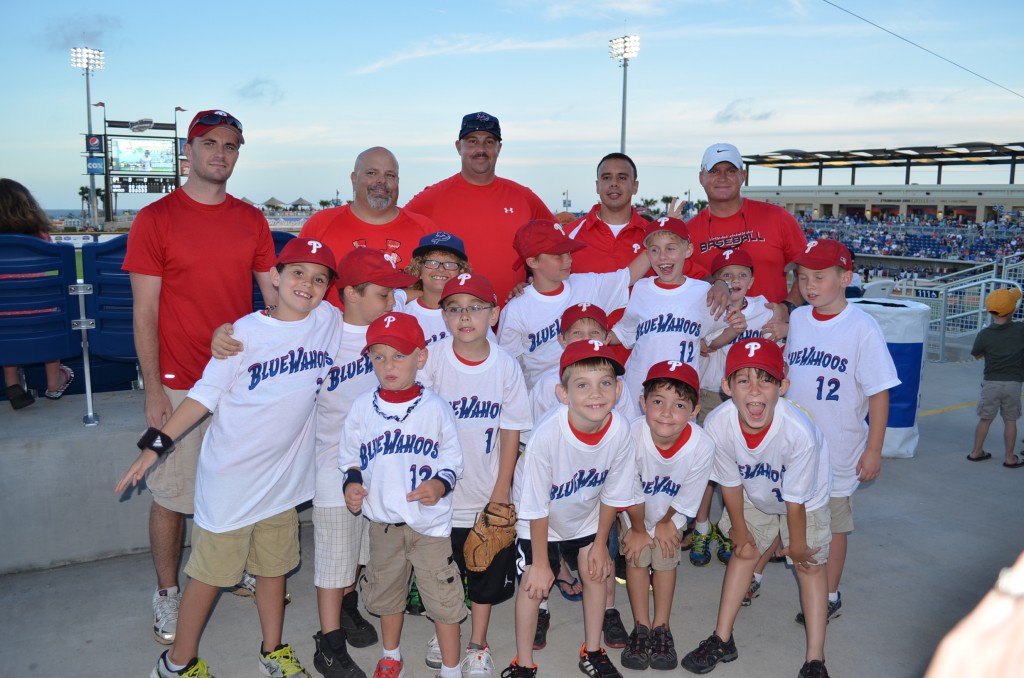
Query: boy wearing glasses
{"type": "Point", "coordinates": [487, 393]}
{"type": "Point", "coordinates": [529, 326]}
{"type": "Point", "coordinates": [439, 257]}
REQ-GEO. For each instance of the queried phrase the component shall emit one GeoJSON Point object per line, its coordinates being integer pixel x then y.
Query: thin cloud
{"type": "Point", "coordinates": [591, 9]}
{"type": "Point", "coordinates": [260, 89]}
{"type": "Point", "coordinates": [80, 30]}
{"type": "Point", "coordinates": [479, 44]}
{"type": "Point", "coordinates": [890, 96]}
{"type": "Point", "coordinates": [741, 110]}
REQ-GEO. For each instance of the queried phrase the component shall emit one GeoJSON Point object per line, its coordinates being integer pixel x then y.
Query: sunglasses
{"type": "Point", "coordinates": [214, 120]}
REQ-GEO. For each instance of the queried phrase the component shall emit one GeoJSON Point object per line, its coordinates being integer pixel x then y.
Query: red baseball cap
{"type": "Point", "coordinates": [208, 120]}
{"type": "Point", "coordinates": [400, 331]}
{"type": "Point", "coordinates": [542, 236]}
{"type": "Point", "coordinates": [670, 224]}
{"type": "Point", "coordinates": [368, 265]}
{"type": "Point", "coordinates": [307, 251]}
{"type": "Point", "coordinates": [470, 283]}
{"type": "Point", "coordinates": [731, 258]}
{"type": "Point", "coordinates": [673, 369]}
{"type": "Point", "coordinates": [756, 352]}
{"type": "Point", "coordinates": [591, 348]}
{"type": "Point", "coordinates": [822, 254]}
{"type": "Point", "coordinates": [583, 310]}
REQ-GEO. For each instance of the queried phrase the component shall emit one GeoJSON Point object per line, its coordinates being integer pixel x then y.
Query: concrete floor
{"type": "Point", "coordinates": [932, 533]}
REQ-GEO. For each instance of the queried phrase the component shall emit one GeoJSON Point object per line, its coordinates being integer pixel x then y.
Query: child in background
{"type": "Point", "coordinates": [401, 455]}
{"type": "Point", "coordinates": [247, 486]}
{"type": "Point", "coordinates": [1001, 344]}
{"type": "Point", "coordinates": [673, 462]}
{"type": "Point", "coordinates": [668, 316]}
{"type": "Point", "coordinates": [439, 257]}
{"type": "Point", "coordinates": [841, 371]}
{"type": "Point", "coordinates": [485, 389]}
{"type": "Point", "coordinates": [772, 464]}
{"type": "Point", "coordinates": [568, 511]}
{"type": "Point", "coordinates": [529, 323]}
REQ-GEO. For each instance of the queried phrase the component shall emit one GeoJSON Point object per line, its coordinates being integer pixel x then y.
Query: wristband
{"type": "Point", "coordinates": [353, 475]}
{"type": "Point", "coordinates": [719, 280]}
{"type": "Point", "coordinates": [156, 440]}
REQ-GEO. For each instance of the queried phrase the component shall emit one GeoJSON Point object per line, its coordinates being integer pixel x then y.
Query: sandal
{"type": "Point", "coordinates": [565, 588]}
{"type": "Point", "coordinates": [982, 457]}
{"type": "Point", "coordinates": [1017, 462]}
{"type": "Point", "coordinates": [69, 376]}
{"type": "Point", "coordinates": [18, 397]}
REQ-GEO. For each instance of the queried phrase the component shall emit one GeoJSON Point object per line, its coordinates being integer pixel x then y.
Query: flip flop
{"type": "Point", "coordinates": [562, 585]}
{"type": "Point", "coordinates": [983, 457]}
{"type": "Point", "coordinates": [1016, 464]}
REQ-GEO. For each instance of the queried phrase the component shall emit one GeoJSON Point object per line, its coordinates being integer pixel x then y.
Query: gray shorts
{"type": "Point", "coordinates": [173, 481]}
{"type": "Point", "coordinates": [764, 527]}
{"type": "Point", "coordinates": [999, 396]}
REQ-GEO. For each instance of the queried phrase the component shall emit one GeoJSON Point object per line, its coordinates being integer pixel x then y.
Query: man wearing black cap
{"type": "Point", "coordinates": [479, 207]}
{"type": "Point", "coordinates": [191, 257]}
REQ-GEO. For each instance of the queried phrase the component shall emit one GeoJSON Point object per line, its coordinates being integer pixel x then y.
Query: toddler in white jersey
{"type": "Point", "coordinates": [529, 325]}
{"type": "Point", "coordinates": [772, 464]}
{"type": "Point", "coordinates": [251, 475]}
{"type": "Point", "coordinates": [673, 464]}
{"type": "Point", "coordinates": [568, 486]}
{"type": "Point", "coordinates": [841, 372]}
{"type": "Point", "coordinates": [485, 390]}
{"type": "Point", "coordinates": [401, 455]}
{"type": "Point", "coordinates": [668, 316]}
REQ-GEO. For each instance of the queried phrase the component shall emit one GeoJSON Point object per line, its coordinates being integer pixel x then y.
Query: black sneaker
{"type": "Point", "coordinates": [814, 669]}
{"type": "Point", "coordinates": [332, 658]}
{"type": "Point", "coordinates": [709, 653]}
{"type": "Point", "coordinates": [637, 655]}
{"type": "Point", "coordinates": [514, 670]}
{"type": "Point", "coordinates": [597, 664]}
{"type": "Point", "coordinates": [834, 610]}
{"type": "Point", "coordinates": [615, 634]}
{"type": "Point", "coordinates": [663, 650]}
{"type": "Point", "coordinates": [413, 604]}
{"type": "Point", "coordinates": [358, 631]}
{"type": "Point", "coordinates": [540, 638]}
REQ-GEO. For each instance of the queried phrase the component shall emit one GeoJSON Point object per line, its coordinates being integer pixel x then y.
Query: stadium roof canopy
{"type": "Point", "coordinates": [969, 153]}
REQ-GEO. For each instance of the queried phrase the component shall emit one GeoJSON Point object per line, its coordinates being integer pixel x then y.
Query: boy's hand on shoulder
{"type": "Point", "coordinates": [718, 300]}
{"type": "Point", "coordinates": [222, 345]}
{"type": "Point", "coordinates": [633, 543]}
{"type": "Point", "coordinates": [599, 562]}
{"type": "Point", "coordinates": [354, 495]}
{"type": "Point", "coordinates": [667, 535]}
{"type": "Point", "coordinates": [870, 465]}
{"type": "Point", "coordinates": [801, 555]}
{"type": "Point", "coordinates": [428, 493]}
{"type": "Point", "coordinates": [137, 471]}
{"type": "Point", "coordinates": [538, 580]}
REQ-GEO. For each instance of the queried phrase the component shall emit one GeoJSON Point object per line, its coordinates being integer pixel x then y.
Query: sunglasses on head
{"type": "Point", "coordinates": [215, 119]}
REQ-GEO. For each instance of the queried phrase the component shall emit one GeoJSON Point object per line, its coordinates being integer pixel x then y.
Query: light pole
{"type": "Point", "coordinates": [623, 49]}
{"type": "Point", "coordinates": [177, 151]}
{"type": "Point", "coordinates": [89, 60]}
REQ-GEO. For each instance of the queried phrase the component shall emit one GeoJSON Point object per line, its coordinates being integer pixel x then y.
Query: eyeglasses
{"type": "Point", "coordinates": [456, 312]}
{"type": "Point", "coordinates": [215, 119]}
{"type": "Point", "coordinates": [446, 265]}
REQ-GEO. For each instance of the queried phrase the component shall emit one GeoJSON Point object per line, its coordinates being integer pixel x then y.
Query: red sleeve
{"type": "Point", "coordinates": [145, 247]}
{"type": "Point", "coordinates": [315, 225]}
{"type": "Point", "coordinates": [265, 256]}
{"type": "Point", "coordinates": [793, 238]}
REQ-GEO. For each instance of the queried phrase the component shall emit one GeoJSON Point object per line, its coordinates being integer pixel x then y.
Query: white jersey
{"type": "Point", "coordinates": [664, 324]}
{"type": "Point", "coordinates": [396, 450]}
{"type": "Point", "coordinates": [530, 323]}
{"type": "Point", "coordinates": [352, 375]}
{"type": "Point", "coordinates": [484, 398]}
{"type": "Point", "coordinates": [258, 456]}
{"type": "Point", "coordinates": [543, 398]}
{"type": "Point", "coordinates": [791, 463]}
{"type": "Point", "coordinates": [712, 367]}
{"type": "Point", "coordinates": [431, 320]}
{"type": "Point", "coordinates": [565, 480]}
{"type": "Point", "coordinates": [835, 365]}
{"type": "Point", "coordinates": [678, 481]}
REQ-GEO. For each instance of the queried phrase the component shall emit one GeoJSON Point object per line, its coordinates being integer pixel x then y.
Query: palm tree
{"type": "Point", "coordinates": [324, 204]}
{"type": "Point", "coordinates": [83, 193]}
{"type": "Point", "coordinates": [667, 200]}
{"type": "Point", "coordinates": [648, 203]}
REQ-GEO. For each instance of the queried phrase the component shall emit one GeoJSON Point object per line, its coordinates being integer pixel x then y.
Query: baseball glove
{"type": "Point", "coordinates": [494, 530]}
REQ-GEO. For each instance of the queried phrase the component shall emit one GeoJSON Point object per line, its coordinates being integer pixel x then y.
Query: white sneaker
{"type": "Point", "coordinates": [165, 615]}
{"type": "Point", "coordinates": [433, 658]}
{"type": "Point", "coordinates": [246, 588]}
{"type": "Point", "coordinates": [477, 664]}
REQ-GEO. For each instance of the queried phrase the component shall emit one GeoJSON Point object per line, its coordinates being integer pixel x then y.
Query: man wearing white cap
{"type": "Point", "coordinates": [767, 232]}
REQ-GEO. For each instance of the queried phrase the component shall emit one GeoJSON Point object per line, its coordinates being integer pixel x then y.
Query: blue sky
{"type": "Point", "coordinates": [315, 83]}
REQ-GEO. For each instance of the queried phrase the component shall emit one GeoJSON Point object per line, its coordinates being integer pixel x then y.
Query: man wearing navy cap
{"type": "Point", "coordinates": [480, 207]}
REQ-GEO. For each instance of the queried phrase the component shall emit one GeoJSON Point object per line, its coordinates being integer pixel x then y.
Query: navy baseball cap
{"type": "Point", "coordinates": [480, 122]}
{"type": "Point", "coordinates": [441, 240]}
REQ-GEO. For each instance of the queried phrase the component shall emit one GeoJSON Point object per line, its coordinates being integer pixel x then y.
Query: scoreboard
{"type": "Point", "coordinates": [141, 184]}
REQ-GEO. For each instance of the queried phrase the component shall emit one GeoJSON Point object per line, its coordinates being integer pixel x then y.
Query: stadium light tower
{"type": "Point", "coordinates": [89, 60]}
{"type": "Point", "coordinates": [623, 49]}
